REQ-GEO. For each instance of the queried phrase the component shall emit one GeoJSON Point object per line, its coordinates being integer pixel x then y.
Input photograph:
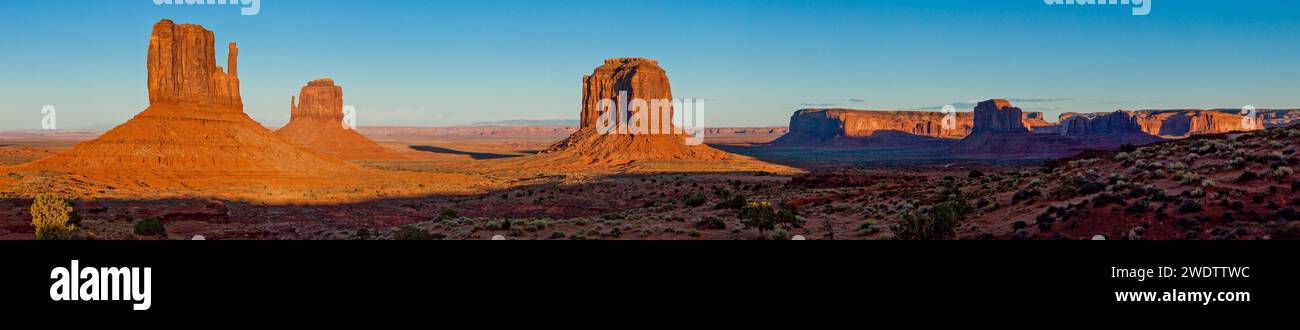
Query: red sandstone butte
{"type": "Point", "coordinates": [194, 133]}
{"type": "Point", "coordinates": [316, 122]}
{"type": "Point", "coordinates": [641, 79]}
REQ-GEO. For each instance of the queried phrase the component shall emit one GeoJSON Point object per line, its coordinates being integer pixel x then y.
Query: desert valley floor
{"type": "Point", "coordinates": [476, 183]}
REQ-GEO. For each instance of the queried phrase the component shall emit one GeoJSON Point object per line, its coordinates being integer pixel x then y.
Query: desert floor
{"type": "Point", "coordinates": [477, 186]}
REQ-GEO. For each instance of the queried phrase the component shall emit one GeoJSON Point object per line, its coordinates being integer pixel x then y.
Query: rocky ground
{"type": "Point", "coordinates": [1223, 187]}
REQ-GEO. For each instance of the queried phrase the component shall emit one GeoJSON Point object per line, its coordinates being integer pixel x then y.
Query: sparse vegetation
{"type": "Point", "coordinates": [937, 222]}
{"type": "Point", "coordinates": [1191, 206]}
{"type": "Point", "coordinates": [868, 228]}
{"type": "Point", "coordinates": [151, 227]}
{"type": "Point", "coordinates": [760, 216]}
{"type": "Point", "coordinates": [50, 216]}
{"type": "Point", "coordinates": [710, 223]}
{"type": "Point", "coordinates": [735, 203]}
{"type": "Point", "coordinates": [448, 214]}
{"type": "Point", "coordinates": [695, 200]}
{"type": "Point", "coordinates": [411, 233]}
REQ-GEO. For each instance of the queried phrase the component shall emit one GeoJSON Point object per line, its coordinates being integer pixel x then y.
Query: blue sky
{"type": "Point", "coordinates": [422, 62]}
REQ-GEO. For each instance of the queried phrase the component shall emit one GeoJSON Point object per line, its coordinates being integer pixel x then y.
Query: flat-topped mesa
{"type": "Point", "coordinates": [641, 78]}
{"type": "Point", "coordinates": [183, 68]}
{"type": "Point", "coordinates": [321, 100]}
{"type": "Point", "coordinates": [1100, 124]}
{"type": "Point", "coordinates": [817, 126]}
{"type": "Point", "coordinates": [1185, 123]}
{"type": "Point", "coordinates": [998, 116]}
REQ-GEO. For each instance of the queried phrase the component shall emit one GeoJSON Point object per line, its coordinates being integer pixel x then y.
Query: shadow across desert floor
{"type": "Point", "coordinates": [932, 153]}
{"type": "Point", "coordinates": [632, 206]}
{"type": "Point", "coordinates": [474, 155]}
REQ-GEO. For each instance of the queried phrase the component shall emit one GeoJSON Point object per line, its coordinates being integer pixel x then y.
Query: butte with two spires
{"type": "Point", "coordinates": [195, 140]}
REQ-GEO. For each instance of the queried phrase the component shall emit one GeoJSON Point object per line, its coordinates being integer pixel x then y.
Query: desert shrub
{"type": "Point", "coordinates": [937, 223]}
{"type": "Point", "coordinates": [1239, 163]}
{"type": "Point", "coordinates": [780, 235]}
{"type": "Point", "coordinates": [1025, 195]}
{"type": "Point", "coordinates": [975, 174]}
{"type": "Point", "coordinates": [558, 235]}
{"type": "Point", "coordinates": [448, 214]}
{"type": "Point", "coordinates": [759, 215]}
{"type": "Point", "coordinates": [1127, 148]}
{"type": "Point", "coordinates": [50, 215]}
{"type": "Point", "coordinates": [1138, 208]}
{"type": "Point", "coordinates": [1176, 167]}
{"type": "Point", "coordinates": [788, 217]}
{"type": "Point", "coordinates": [151, 227]}
{"type": "Point", "coordinates": [411, 233]}
{"type": "Point", "coordinates": [868, 228]}
{"type": "Point", "coordinates": [1045, 226]}
{"type": "Point", "coordinates": [1247, 177]}
{"type": "Point", "coordinates": [735, 203]}
{"type": "Point", "coordinates": [361, 234]}
{"type": "Point", "coordinates": [503, 224]}
{"type": "Point", "coordinates": [1282, 172]}
{"type": "Point", "coordinates": [710, 223]}
{"type": "Point", "coordinates": [695, 200]}
{"type": "Point", "coordinates": [1124, 157]}
{"type": "Point", "coordinates": [1107, 199]}
{"type": "Point", "coordinates": [694, 234]}
{"type": "Point", "coordinates": [1191, 206]}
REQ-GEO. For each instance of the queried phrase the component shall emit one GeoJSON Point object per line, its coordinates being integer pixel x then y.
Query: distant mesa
{"type": "Point", "coordinates": [530, 122]}
{"type": "Point", "coordinates": [316, 122]}
{"type": "Point", "coordinates": [998, 116]}
{"type": "Point", "coordinates": [194, 133]}
{"type": "Point", "coordinates": [844, 127]}
{"type": "Point", "coordinates": [998, 128]}
{"type": "Point", "coordinates": [641, 79]}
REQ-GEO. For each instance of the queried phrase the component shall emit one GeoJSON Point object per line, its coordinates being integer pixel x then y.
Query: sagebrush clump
{"type": "Point", "coordinates": [50, 216]}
